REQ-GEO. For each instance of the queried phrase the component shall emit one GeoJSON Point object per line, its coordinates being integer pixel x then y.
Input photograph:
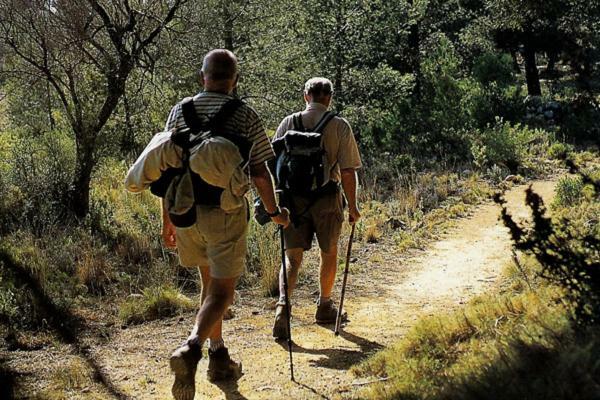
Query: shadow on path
{"type": "Point", "coordinates": [64, 323]}
{"type": "Point", "coordinates": [338, 358]}
{"type": "Point", "coordinates": [230, 389]}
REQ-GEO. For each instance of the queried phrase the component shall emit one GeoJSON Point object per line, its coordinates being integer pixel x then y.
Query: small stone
{"type": "Point", "coordinates": [511, 178]}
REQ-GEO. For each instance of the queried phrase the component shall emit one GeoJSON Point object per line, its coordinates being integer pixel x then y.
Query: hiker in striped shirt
{"type": "Point", "coordinates": [217, 242]}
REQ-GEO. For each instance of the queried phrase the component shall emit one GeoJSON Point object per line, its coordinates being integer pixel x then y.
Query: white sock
{"type": "Point", "coordinates": [215, 345]}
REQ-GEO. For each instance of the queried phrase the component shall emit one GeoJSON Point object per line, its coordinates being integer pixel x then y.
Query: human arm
{"type": "Point", "coordinates": [263, 182]}
{"type": "Point", "coordinates": [168, 229]}
{"type": "Point", "coordinates": [350, 184]}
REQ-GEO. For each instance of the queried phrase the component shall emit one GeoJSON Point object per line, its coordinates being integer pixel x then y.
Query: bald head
{"type": "Point", "coordinates": [219, 65]}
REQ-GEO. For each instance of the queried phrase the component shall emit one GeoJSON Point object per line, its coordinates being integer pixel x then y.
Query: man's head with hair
{"type": "Point", "coordinates": [219, 70]}
{"type": "Point", "coordinates": [318, 90]}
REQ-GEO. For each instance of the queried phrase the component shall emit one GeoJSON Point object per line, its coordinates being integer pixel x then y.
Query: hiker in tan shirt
{"type": "Point", "coordinates": [323, 216]}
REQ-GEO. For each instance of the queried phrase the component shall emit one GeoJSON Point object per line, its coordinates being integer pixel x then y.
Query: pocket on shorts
{"type": "Point", "coordinates": [332, 205]}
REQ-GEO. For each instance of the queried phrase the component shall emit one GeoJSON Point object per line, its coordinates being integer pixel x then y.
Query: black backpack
{"type": "Point", "coordinates": [187, 139]}
{"type": "Point", "coordinates": [300, 159]}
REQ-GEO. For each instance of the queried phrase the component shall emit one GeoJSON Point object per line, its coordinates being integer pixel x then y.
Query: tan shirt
{"type": "Point", "coordinates": [338, 140]}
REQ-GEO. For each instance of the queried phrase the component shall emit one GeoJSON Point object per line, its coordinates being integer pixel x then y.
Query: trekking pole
{"type": "Point", "coordinates": [287, 303]}
{"type": "Point", "coordinates": [338, 319]}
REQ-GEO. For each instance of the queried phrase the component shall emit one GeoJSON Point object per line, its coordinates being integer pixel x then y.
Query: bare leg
{"type": "Point", "coordinates": [328, 271]}
{"type": "Point", "coordinates": [219, 296]}
{"type": "Point", "coordinates": [293, 262]}
{"type": "Point", "coordinates": [217, 332]}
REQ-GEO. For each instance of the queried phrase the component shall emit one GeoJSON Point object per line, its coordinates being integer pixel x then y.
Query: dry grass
{"type": "Point", "coordinates": [155, 303]}
{"type": "Point", "coordinates": [517, 344]}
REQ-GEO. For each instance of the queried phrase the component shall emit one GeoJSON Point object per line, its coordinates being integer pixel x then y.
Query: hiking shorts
{"type": "Point", "coordinates": [216, 240]}
{"type": "Point", "coordinates": [323, 219]}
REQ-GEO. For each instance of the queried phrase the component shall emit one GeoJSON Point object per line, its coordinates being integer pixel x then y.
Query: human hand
{"type": "Point", "coordinates": [353, 215]}
{"type": "Point", "coordinates": [168, 234]}
{"type": "Point", "coordinates": [283, 218]}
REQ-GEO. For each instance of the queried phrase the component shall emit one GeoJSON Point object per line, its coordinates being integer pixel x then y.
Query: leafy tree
{"type": "Point", "coordinates": [86, 50]}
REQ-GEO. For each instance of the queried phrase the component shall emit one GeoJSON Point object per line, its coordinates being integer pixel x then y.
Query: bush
{"type": "Point", "coordinates": [582, 119]}
{"type": "Point", "coordinates": [569, 191]}
{"type": "Point", "coordinates": [559, 151]}
{"type": "Point", "coordinates": [503, 144]}
{"type": "Point", "coordinates": [494, 68]}
{"type": "Point", "coordinates": [567, 248]}
{"type": "Point", "coordinates": [36, 175]}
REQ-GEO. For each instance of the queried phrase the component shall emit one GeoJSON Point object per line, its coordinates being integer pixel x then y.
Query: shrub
{"type": "Point", "coordinates": [568, 248]}
{"type": "Point", "coordinates": [36, 175]}
{"type": "Point", "coordinates": [493, 68]}
{"type": "Point", "coordinates": [582, 119]}
{"type": "Point", "coordinates": [559, 151]}
{"type": "Point", "coordinates": [569, 191]}
{"type": "Point", "coordinates": [503, 144]}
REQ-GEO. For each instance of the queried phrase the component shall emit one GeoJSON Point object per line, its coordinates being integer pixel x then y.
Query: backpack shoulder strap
{"type": "Point", "coordinates": [216, 123]}
{"type": "Point", "coordinates": [188, 109]}
{"type": "Point", "coordinates": [327, 117]}
{"type": "Point", "coordinates": [297, 122]}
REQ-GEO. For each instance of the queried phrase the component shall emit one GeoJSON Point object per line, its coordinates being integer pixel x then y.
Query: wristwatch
{"type": "Point", "coordinates": [274, 214]}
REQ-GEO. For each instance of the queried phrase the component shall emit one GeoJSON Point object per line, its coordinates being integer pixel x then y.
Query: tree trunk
{"type": "Point", "coordinates": [552, 58]}
{"type": "Point", "coordinates": [79, 198]}
{"type": "Point", "coordinates": [515, 64]}
{"type": "Point", "coordinates": [531, 72]}
{"type": "Point", "coordinates": [227, 25]}
{"type": "Point", "coordinates": [414, 46]}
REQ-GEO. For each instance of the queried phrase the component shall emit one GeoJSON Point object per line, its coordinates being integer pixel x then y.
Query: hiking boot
{"type": "Point", "coordinates": [183, 363]}
{"type": "Point", "coordinates": [221, 366]}
{"type": "Point", "coordinates": [280, 327]}
{"type": "Point", "coordinates": [327, 313]}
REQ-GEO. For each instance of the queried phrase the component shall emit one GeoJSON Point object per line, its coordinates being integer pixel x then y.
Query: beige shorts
{"type": "Point", "coordinates": [216, 240]}
{"type": "Point", "coordinates": [323, 218]}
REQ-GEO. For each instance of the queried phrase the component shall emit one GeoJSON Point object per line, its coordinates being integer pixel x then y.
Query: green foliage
{"type": "Point", "coordinates": [559, 151]}
{"type": "Point", "coordinates": [503, 144]}
{"type": "Point", "coordinates": [492, 68]}
{"type": "Point", "coordinates": [567, 248]}
{"type": "Point", "coordinates": [36, 176]}
{"type": "Point", "coordinates": [515, 344]}
{"type": "Point", "coordinates": [582, 119]}
{"type": "Point", "coordinates": [569, 191]}
{"type": "Point", "coordinates": [154, 303]}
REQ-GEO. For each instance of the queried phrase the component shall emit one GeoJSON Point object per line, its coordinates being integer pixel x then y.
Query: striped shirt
{"type": "Point", "coordinates": [244, 121]}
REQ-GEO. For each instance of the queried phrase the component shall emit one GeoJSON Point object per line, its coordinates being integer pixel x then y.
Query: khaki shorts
{"type": "Point", "coordinates": [324, 218]}
{"type": "Point", "coordinates": [216, 240]}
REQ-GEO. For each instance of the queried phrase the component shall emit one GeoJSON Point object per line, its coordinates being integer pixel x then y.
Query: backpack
{"type": "Point", "coordinates": [300, 159]}
{"type": "Point", "coordinates": [182, 188]}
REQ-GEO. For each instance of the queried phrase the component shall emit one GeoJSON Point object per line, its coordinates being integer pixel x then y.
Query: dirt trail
{"type": "Point", "coordinates": [386, 297]}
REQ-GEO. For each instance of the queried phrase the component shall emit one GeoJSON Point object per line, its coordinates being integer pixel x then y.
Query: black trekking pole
{"type": "Point", "coordinates": [287, 302]}
{"type": "Point", "coordinates": [338, 319]}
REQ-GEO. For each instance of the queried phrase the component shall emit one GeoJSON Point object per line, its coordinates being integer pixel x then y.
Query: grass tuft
{"type": "Point", "coordinates": [154, 303]}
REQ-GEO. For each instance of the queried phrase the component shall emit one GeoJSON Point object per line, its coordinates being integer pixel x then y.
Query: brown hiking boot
{"type": "Point", "coordinates": [221, 366]}
{"type": "Point", "coordinates": [183, 363]}
{"type": "Point", "coordinates": [327, 313]}
{"type": "Point", "coordinates": [280, 328]}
